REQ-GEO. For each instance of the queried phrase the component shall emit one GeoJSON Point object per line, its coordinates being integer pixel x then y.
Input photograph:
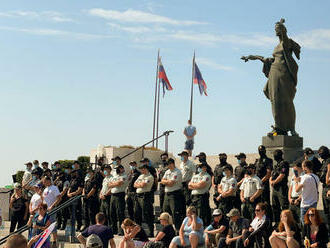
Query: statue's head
{"type": "Point", "coordinates": [280, 28]}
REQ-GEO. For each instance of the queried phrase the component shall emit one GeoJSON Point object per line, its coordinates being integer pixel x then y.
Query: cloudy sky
{"type": "Point", "coordinates": [75, 74]}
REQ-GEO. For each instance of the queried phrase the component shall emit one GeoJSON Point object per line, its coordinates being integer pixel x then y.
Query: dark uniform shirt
{"type": "Point", "coordinates": [262, 165]}
{"type": "Point", "coordinates": [240, 171]}
{"type": "Point", "coordinates": [218, 172]}
{"type": "Point", "coordinates": [153, 172]}
{"type": "Point", "coordinates": [323, 174]}
{"type": "Point", "coordinates": [131, 180]}
{"type": "Point", "coordinates": [60, 183]}
{"type": "Point", "coordinates": [90, 184]}
{"type": "Point", "coordinates": [281, 167]}
{"type": "Point", "coordinates": [76, 183]}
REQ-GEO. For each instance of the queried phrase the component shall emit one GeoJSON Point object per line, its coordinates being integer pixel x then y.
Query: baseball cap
{"type": "Point", "coordinates": [144, 160]}
{"type": "Point", "coordinates": [241, 155]}
{"type": "Point", "coordinates": [201, 154]}
{"type": "Point", "coordinates": [308, 151]}
{"type": "Point", "coordinates": [94, 241]}
{"type": "Point", "coordinates": [116, 158]}
{"type": "Point", "coordinates": [217, 212]}
{"type": "Point", "coordinates": [233, 212]}
{"type": "Point", "coordinates": [166, 216]}
{"type": "Point", "coordinates": [183, 153]}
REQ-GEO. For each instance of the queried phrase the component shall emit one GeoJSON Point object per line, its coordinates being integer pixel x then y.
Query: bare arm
{"type": "Point", "coordinates": [327, 180]}
{"type": "Point", "coordinates": [112, 243]}
{"type": "Point", "coordinates": [81, 239]}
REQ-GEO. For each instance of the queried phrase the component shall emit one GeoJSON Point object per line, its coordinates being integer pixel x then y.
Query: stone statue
{"type": "Point", "coordinates": [281, 71]}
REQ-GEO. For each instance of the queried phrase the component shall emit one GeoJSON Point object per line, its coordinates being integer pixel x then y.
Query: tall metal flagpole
{"type": "Point", "coordinates": [192, 88]}
{"type": "Point", "coordinates": [157, 123]}
{"type": "Point", "coordinates": [155, 103]}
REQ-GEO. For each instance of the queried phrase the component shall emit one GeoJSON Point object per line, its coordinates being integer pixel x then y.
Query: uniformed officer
{"type": "Point", "coordinates": [132, 175]}
{"type": "Point", "coordinates": [202, 159]}
{"type": "Point", "coordinates": [144, 210]}
{"type": "Point", "coordinates": [239, 173]}
{"type": "Point", "coordinates": [76, 166]}
{"type": "Point", "coordinates": [226, 190]}
{"type": "Point", "coordinates": [118, 186]}
{"type": "Point", "coordinates": [294, 197]}
{"type": "Point", "coordinates": [116, 161]}
{"type": "Point", "coordinates": [325, 179]}
{"type": "Point", "coordinates": [200, 184]}
{"type": "Point", "coordinates": [279, 182]}
{"type": "Point", "coordinates": [75, 188]}
{"type": "Point", "coordinates": [173, 203]}
{"type": "Point", "coordinates": [161, 171]}
{"type": "Point", "coordinates": [188, 169]}
{"type": "Point", "coordinates": [218, 175]}
{"type": "Point", "coordinates": [251, 190]}
{"type": "Point", "coordinates": [309, 155]}
{"type": "Point", "coordinates": [105, 193]}
{"type": "Point", "coordinates": [90, 200]}
{"type": "Point", "coordinates": [153, 172]}
{"type": "Point", "coordinates": [62, 182]}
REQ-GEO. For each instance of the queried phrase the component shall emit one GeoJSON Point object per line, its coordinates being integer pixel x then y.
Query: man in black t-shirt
{"type": "Point", "coordinates": [324, 177]}
{"type": "Point", "coordinates": [133, 174]}
{"type": "Point", "coordinates": [217, 229]}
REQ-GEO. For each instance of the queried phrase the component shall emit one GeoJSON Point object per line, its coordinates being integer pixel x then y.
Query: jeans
{"type": "Point", "coordinates": [304, 210]}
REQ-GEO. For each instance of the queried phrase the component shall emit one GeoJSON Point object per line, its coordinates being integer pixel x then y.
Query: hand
{"type": "Point", "coordinates": [182, 242]}
{"type": "Point", "coordinates": [228, 241]}
{"type": "Point", "coordinates": [242, 200]}
{"type": "Point", "coordinates": [102, 197]}
{"type": "Point", "coordinates": [328, 194]}
{"type": "Point", "coordinates": [251, 229]}
{"type": "Point", "coordinates": [218, 198]}
{"type": "Point", "coordinates": [246, 242]}
{"type": "Point", "coordinates": [291, 201]}
{"type": "Point", "coordinates": [313, 245]}
{"type": "Point", "coordinates": [272, 183]}
{"type": "Point", "coordinates": [297, 179]}
{"type": "Point", "coordinates": [296, 202]}
{"type": "Point", "coordinates": [251, 199]}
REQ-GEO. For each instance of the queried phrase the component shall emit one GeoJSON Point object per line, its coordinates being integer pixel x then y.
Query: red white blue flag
{"type": "Point", "coordinates": [198, 79]}
{"type": "Point", "coordinates": [163, 78]}
{"type": "Point", "coordinates": [45, 235]}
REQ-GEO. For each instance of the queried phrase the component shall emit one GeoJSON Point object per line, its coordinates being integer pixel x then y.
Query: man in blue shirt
{"type": "Point", "coordinates": [189, 132]}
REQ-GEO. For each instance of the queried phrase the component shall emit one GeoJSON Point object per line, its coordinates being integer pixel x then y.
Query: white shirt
{"type": "Point", "coordinates": [174, 175]}
{"type": "Point", "coordinates": [228, 183]}
{"type": "Point", "coordinates": [35, 201]}
{"type": "Point", "coordinates": [257, 223]}
{"type": "Point", "coordinates": [251, 185]}
{"type": "Point", "coordinates": [294, 193]}
{"type": "Point", "coordinates": [187, 169]}
{"type": "Point", "coordinates": [309, 194]}
{"type": "Point", "coordinates": [50, 194]}
{"type": "Point", "coordinates": [105, 184]}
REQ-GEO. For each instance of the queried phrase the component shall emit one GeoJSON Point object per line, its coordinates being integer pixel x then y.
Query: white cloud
{"type": "Point", "coordinates": [138, 17]}
{"type": "Point", "coordinates": [210, 63]}
{"type": "Point", "coordinates": [136, 29]}
{"type": "Point", "coordinates": [318, 39]}
{"type": "Point", "coordinates": [43, 15]}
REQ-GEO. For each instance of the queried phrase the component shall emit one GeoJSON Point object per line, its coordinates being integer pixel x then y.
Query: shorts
{"type": "Point", "coordinates": [177, 240]}
{"type": "Point", "coordinates": [189, 145]}
{"type": "Point", "coordinates": [139, 244]}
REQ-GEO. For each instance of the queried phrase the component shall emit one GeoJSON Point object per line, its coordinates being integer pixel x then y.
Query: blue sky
{"type": "Point", "coordinates": [75, 74]}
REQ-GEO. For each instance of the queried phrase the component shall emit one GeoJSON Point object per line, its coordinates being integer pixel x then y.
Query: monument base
{"type": "Point", "coordinates": [291, 146]}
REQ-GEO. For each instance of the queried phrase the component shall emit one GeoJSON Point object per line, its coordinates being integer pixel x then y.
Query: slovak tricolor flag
{"type": "Point", "coordinates": [198, 79]}
{"type": "Point", "coordinates": [163, 78]}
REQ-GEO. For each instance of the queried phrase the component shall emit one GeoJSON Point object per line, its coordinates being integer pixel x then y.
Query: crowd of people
{"type": "Point", "coordinates": [242, 217]}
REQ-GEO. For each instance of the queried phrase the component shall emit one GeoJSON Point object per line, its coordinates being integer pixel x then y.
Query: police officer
{"type": "Point", "coordinates": [76, 166]}
{"type": "Point", "coordinates": [75, 188]}
{"type": "Point", "coordinates": [226, 190]}
{"type": "Point", "coordinates": [105, 193]}
{"type": "Point", "coordinates": [116, 161]}
{"type": "Point", "coordinates": [188, 169]}
{"type": "Point", "coordinates": [62, 182]}
{"type": "Point", "coordinates": [309, 155]}
{"type": "Point", "coordinates": [161, 171]}
{"type": "Point", "coordinates": [279, 182]}
{"type": "Point", "coordinates": [264, 167]}
{"type": "Point", "coordinates": [202, 159]}
{"type": "Point", "coordinates": [133, 174]}
{"type": "Point", "coordinates": [143, 208]}
{"type": "Point", "coordinates": [90, 200]}
{"type": "Point", "coordinates": [218, 175]}
{"type": "Point", "coordinates": [325, 179]}
{"type": "Point", "coordinates": [200, 184]}
{"type": "Point", "coordinates": [153, 172]}
{"type": "Point", "coordinates": [118, 186]}
{"type": "Point", "coordinates": [239, 173]}
{"type": "Point", "coordinates": [251, 190]}
{"type": "Point", "coordinates": [173, 203]}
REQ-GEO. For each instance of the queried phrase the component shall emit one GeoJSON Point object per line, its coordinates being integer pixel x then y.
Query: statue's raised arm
{"type": "Point", "coordinates": [252, 57]}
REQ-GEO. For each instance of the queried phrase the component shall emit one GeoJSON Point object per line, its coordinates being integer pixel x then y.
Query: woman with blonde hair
{"type": "Point", "coordinates": [134, 235]}
{"type": "Point", "coordinates": [287, 233]}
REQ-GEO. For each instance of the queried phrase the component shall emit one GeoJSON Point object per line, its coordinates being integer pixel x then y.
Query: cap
{"type": "Point", "coordinates": [57, 162]}
{"type": "Point", "coordinates": [165, 216]}
{"type": "Point", "coordinates": [261, 148]}
{"type": "Point", "coordinates": [76, 162]}
{"type": "Point", "coordinates": [44, 163]}
{"type": "Point", "coordinates": [277, 152]}
{"type": "Point", "coordinates": [222, 154]}
{"type": "Point", "coordinates": [233, 212]}
{"type": "Point", "coordinates": [17, 186]}
{"type": "Point", "coordinates": [170, 161]}
{"type": "Point", "coordinates": [36, 162]}
{"type": "Point", "coordinates": [107, 167]}
{"type": "Point", "coordinates": [132, 162]}
{"type": "Point", "coordinates": [94, 241]}
{"type": "Point", "coordinates": [252, 166]}
{"type": "Point", "coordinates": [143, 160]}
{"type": "Point", "coordinates": [201, 154]}
{"type": "Point", "coordinates": [241, 155]}
{"type": "Point", "coordinates": [28, 163]}
{"type": "Point", "coordinates": [183, 153]}
{"type": "Point", "coordinates": [143, 166]}
{"type": "Point", "coordinates": [308, 151]}
{"type": "Point", "coordinates": [164, 154]}
{"type": "Point", "coordinates": [228, 167]}
{"type": "Point", "coordinates": [116, 158]}
{"type": "Point", "coordinates": [217, 212]}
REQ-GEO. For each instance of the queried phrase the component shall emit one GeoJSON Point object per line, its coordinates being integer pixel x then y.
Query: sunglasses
{"type": "Point", "coordinates": [257, 210]}
{"type": "Point", "coordinates": [312, 215]}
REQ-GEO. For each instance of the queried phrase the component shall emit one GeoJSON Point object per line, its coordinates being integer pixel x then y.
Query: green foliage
{"type": "Point", "coordinates": [66, 162]}
{"type": "Point", "coordinates": [84, 162]}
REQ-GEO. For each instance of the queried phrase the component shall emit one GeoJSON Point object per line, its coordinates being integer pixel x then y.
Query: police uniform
{"type": "Point", "coordinates": [91, 204]}
{"type": "Point", "coordinates": [187, 169]}
{"type": "Point", "coordinates": [200, 197]}
{"type": "Point", "coordinates": [131, 192]}
{"type": "Point", "coordinates": [219, 174]}
{"type": "Point", "coordinates": [105, 203]}
{"type": "Point", "coordinates": [144, 210]}
{"type": "Point", "coordinates": [280, 190]}
{"type": "Point", "coordinates": [262, 165]}
{"type": "Point", "coordinates": [239, 174]}
{"type": "Point", "coordinates": [173, 203]}
{"type": "Point", "coordinates": [75, 183]}
{"type": "Point", "coordinates": [323, 177]}
{"type": "Point", "coordinates": [250, 185]}
{"type": "Point", "coordinates": [62, 183]}
{"type": "Point", "coordinates": [117, 202]}
{"type": "Point", "coordinates": [226, 203]}
{"type": "Point", "coordinates": [161, 173]}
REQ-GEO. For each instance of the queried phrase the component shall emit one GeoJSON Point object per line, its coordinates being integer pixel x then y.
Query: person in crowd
{"type": "Point", "coordinates": [19, 241]}
{"type": "Point", "coordinates": [153, 172]}
{"type": "Point", "coordinates": [239, 173]}
{"type": "Point", "coordinates": [287, 233]}
{"type": "Point", "coordinates": [116, 161]}
{"type": "Point", "coordinates": [160, 173]}
{"type": "Point", "coordinates": [90, 200]}
{"type": "Point", "coordinates": [133, 174]}
{"type": "Point", "coordinates": [144, 210]}
{"type": "Point", "coordinates": [19, 207]}
{"type": "Point", "coordinates": [308, 184]}
{"type": "Point", "coordinates": [216, 230]}
{"type": "Point", "coordinates": [103, 232]}
{"type": "Point", "coordinates": [118, 186]}
{"type": "Point", "coordinates": [238, 226]}
{"type": "Point", "coordinates": [259, 229]}
{"type": "Point", "coordinates": [315, 230]}
{"type": "Point", "coordinates": [36, 199]}
{"type": "Point", "coordinates": [325, 179]}
{"type": "Point", "coordinates": [191, 231]}
{"type": "Point", "coordinates": [202, 159]}
{"type": "Point", "coordinates": [226, 190]}
{"type": "Point", "coordinates": [30, 187]}
{"type": "Point", "coordinates": [190, 132]}
{"type": "Point", "coordinates": [251, 190]}
{"type": "Point", "coordinates": [61, 181]}
{"type": "Point", "coordinates": [40, 222]}
{"type": "Point", "coordinates": [37, 168]}
{"type": "Point", "coordinates": [75, 188]}
{"type": "Point", "coordinates": [45, 165]}
{"type": "Point", "coordinates": [94, 241]}
{"type": "Point", "coordinates": [294, 197]}
{"type": "Point", "coordinates": [218, 175]}
{"type": "Point", "coordinates": [105, 193]}
{"type": "Point", "coordinates": [99, 172]}
{"type": "Point", "coordinates": [200, 185]}
{"type": "Point", "coordinates": [173, 203]}
{"type": "Point", "coordinates": [310, 155]}
{"type": "Point", "coordinates": [279, 183]}
{"type": "Point", "coordinates": [47, 173]}
{"type": "Point", "coordinates": [134, 235]}
{"type": "Point", "coordinates": [188, 169]}
{"type": "Point", "coordinates": [56, 169]}
{"type": "Point", "coordinates": [27, 177]}
{"type": "Point", "coordinates": [76, 167]}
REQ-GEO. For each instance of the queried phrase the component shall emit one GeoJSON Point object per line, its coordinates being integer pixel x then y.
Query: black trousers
{"type": "Point", "coordinates": [280, 202]}
{"type": "Point", "coordinates": [130, 202]}
{"type": "Point", "coordinates": [326, 203]}
{"type": "Point", "coordinates": [16, 219]}
{"type": "Point", "coordinates": [91, 208]}
{"type": "Point", "coordinates": [105, 208]}
{"type": "Point", "coordinates": [226, 204]}
{"type": "Point", "coordinates": [202, 205]}
{"type": "Point", "coordinates": [186, 193]}
{"type": "Point", "coordinates": [174, 205]}
{"type": "Point", "coordinates": [62, 216]}
{"type": "Point", "coordinates": [117, 211]}
{"type": "Point", "coordinates": [144, 210]}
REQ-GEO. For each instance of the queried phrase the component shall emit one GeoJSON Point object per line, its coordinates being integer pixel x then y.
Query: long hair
{"type": "Point", "coordinates": [317, 217]}
{"type": "Point", "coordinates": [128, 222]}
{"type": "Point", "coordinates": [291, 221]}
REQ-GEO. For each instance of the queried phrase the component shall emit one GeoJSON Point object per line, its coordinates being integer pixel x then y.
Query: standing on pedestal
{"type": "Point", "coordinates": [189, 132]}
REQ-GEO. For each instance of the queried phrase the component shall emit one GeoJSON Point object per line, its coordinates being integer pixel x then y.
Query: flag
{"type": "Point", "coordinates": [163, 78]}
{"type": "Point", "coordinates": [45, 235]}
{"type": "Point", "coordinates": [198, 79]}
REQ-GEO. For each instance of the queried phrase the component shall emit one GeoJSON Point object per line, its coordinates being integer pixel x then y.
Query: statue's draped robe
{"type": "Point", "coordinates": [280, 88]}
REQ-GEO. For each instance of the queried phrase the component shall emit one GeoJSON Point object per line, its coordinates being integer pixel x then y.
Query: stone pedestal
{"type": "Point", "coordinates": [292, 146]}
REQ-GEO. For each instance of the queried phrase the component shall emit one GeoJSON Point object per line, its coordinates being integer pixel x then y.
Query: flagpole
{"type": "Point", "coordinates": [155, 102]}
{"type": "Point", "coordinates": [192, 88]}
{"type": "Point", "coordinates": [157, 123]}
